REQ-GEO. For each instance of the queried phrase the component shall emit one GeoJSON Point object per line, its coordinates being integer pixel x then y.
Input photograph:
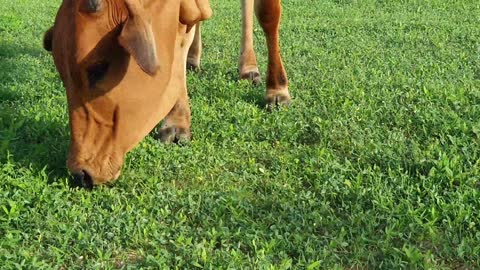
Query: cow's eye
{"type": "Point", "coordinates": [96, 72]}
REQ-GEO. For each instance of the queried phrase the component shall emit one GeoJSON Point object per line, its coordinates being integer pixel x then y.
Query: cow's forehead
{"type": "Point", "coordinates": [83, 32]}
{"type": "Point", "coordinates": [99, 14]}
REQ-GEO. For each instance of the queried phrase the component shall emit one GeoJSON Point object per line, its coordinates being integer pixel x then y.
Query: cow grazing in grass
{"type": "Point", "coordinates": [123, 64]}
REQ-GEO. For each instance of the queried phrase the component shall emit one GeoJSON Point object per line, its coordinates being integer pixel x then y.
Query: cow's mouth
{"type": "Point", "coordinates": [81, 180]}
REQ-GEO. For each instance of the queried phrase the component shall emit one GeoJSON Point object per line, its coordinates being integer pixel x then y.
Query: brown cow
{"type": "Point", "coordinates": [123, 64]}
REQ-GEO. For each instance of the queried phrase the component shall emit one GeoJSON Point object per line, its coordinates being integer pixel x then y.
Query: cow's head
{"type": "Point", "coordinates": [116, 60]}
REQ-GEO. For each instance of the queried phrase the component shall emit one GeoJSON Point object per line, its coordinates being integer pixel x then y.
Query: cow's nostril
{"type": "Point", "coordinates": [82, 180]}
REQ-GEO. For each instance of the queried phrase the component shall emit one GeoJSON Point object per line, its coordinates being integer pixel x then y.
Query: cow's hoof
{"type": "Point", "coordinates": [278, 99]}
{"type": "Point", "coordinates": [193, 65]}
{"type": "Point", "coordinates": [174, 135]}
{"type": "Point", "coordinates": [252, 76]}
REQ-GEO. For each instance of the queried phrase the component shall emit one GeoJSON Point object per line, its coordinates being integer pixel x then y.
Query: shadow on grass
{"type": "Point", "coordinates": [30, 140]}
{"type": "Point", "coordinates": [255, 95]}
{"type": "Point", "coordinates": [11, 71]}
{"type": "Point", "coordinates": [210, 72]}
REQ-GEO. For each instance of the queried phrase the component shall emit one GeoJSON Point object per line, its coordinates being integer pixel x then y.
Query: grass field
{"type": "Point", "coordinates": [376, 165]}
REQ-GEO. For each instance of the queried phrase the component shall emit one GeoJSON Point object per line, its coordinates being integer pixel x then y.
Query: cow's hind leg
{"type": "Point", "coordinates": [268, 14]}
{"type": "Point", "coordinates": [247, 66]}
{"type": "Point", "coordinates": [195, 51]}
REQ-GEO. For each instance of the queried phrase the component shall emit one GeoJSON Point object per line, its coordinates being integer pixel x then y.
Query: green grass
{"type": "Point", "coordinates": [376, 165]}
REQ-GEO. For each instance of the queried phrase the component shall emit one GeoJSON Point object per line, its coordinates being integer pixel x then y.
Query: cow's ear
{"type": "Point", "coordinates": [194, 11]}
{"type": "Point", "coordinates": [138, 39]}
{"type": "Point", "coordinates": [48, 39]}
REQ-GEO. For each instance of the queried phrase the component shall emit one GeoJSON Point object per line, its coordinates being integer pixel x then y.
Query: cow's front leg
{"type": "Point", "coordinates": [247, 65]}
{"type": "Point", "coordinates": [195, 51]}
{"type": "Point", "coordinates": [268, 14]}
{"type": "Point", "coordinates": [176, 126]}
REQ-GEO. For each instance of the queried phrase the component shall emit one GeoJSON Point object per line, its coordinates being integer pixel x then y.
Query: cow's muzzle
{"type": "Point", "coordinates": [82, 180]}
